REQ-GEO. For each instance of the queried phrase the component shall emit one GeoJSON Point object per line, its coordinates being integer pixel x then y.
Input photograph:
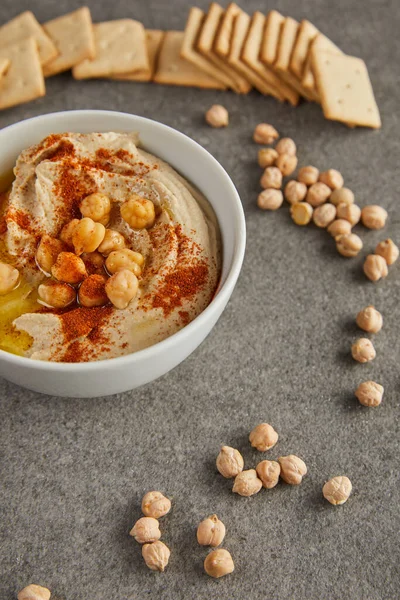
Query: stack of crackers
{"type": "Point", "coordinates": [221, 49]}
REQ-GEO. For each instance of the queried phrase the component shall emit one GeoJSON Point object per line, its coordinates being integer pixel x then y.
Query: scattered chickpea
{"type": "Point", "coordinates": [350, 212]}
{"type": "Point", "coordinates": [56, 295]}
{"type": "Point", "coordinates": [295, 191]}
{"type": "Point", "coordinates": [339, 227]}
{"type": "Point", "coordinates": [218, 563]}
{"type": "Point", "coordinates": [229, 462]}
{"type": "Point", "coordinates": [113, 240]}
{"type": "Point", "coordinates": [342, 196]}
{"type": "Point", "coordinates": [301, 213]}
{"type": "Point", "coordinates": [87, 235]}
{"type": "Point", "coordinates": [363, 350]}
{"type": "Point", "coordinates": [211, 532]}
{"type": "Point", "coordinates": [293, 469]}
{"type": "Point", "coordinates": [145, 530]}
{"type": "Point", "coordinates": [332, 178]}
{"type": "Point", "coordinates": [138, 212]}
{"type": "Point", "coordinates": [69, 268]}
{"type": "Point", "coordinates": [268, 471]}
{"type": "Point", "coordinates": [369, 393]}
{"type": "Point", "coordinates": [349, 245]}
{"type": "Point", "coordinates": [156, 555]}
{"type": "Point", "coordinates": [265, 134]}
{"type": "Point", "coordinates": [270, 199]}
{"type": "Point", "coordinates": [94, 262]}
{"type": "Point", "coordinates": [308, 175]}
{"type": "Point", "coordinates": [324, 215]}
{"type": "Point", "coordinates": [286, 163]}
{"type": "Point", "coordinates": [122, 288]}
{"type": "Point", "coordinates": [375, 267]}
{"type": "Point", "coordinates": [318, 193]}
{"type": "Point", "coordinates": [388, 250]}
{"type": "Point", "coordinates": [97, 207]}
{"type": "Point", "coordinates": [125, 259]}
{"type": "Point", "coordinates": [373, 216]}
{"type": "Point", "coordinates": [155, 504]}
{"type": "Point", "coordinates": [47, 251]}
{"type": "Point", "coordinates": [92, 291]}
{"type": "Point", "coordinates": [247, 483]}
{"type": "Point", "coordinates": [271, 178]}
{"type": "Point", "coordinates": [263, 437]}
{"type": "Point", "coordinates": [9, 278]}
{"type": "Point", "coordinates": [267, 157]}
{"type": "Point", "coordinates": [286, 146]}
{"type": "Point", "coordinates": [34, 592]}
{"type": "Point", "coordinates": [337, 490]}
{"type": "Point", "coordinates": [217, 116]}
{"type": "Point", "coordinates": [369, 319]}
{"type": "Point", "coordinates": [67, 231]}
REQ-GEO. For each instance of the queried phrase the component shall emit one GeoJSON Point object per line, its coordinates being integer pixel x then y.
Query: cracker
{"type": "Point", "coordinates": [272, 31]}
{"type": "Point", "coordinates": [320, 42]}
{"type": "Point", "coordinates": [73, 37]}
{"type": "Point", "coordinates": [223, 39]}
{"type": "Point", "coordinates": [120, 48]}
{"type": "Point", "coordinates": [24, 26]}
{"type": "Point", "coordinates": [172, 69]}
{"type": "Point", "coordinates": [154, 38]}
{"type": "Point", "coordinates": [24, 79]}
{"type": "Point", "coordinates": [251, 52]}
{"type": "Point", "coordinates": [345, 89]}
{"type": "Point", "coordinates": [306, 33]}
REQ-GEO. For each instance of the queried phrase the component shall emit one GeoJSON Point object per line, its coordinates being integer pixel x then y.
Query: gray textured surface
{"type": "Point", "coordinates": [73, 471]}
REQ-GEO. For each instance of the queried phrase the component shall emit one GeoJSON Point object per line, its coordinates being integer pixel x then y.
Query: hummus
{"type": "Point", "coordinates": [181, 250]}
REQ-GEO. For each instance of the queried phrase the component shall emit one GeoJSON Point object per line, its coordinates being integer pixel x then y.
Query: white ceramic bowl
{"type": "Point", "coordinates": [105, 377]}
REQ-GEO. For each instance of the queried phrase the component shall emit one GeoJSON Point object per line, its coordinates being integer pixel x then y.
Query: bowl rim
{"type": "Point", "coordinates": [222, 295]}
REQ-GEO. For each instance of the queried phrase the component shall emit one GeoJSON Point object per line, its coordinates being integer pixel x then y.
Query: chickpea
{"type": "Point", "coordinates": [350, 212]}
{"type": "Point", "coordinates": [363, 350]}
{"type": "Point", "coordinates": [263, 437]}
{"type": "Point", "coordinates": [337, 490]}
{"type": "Point", "coordinates": [122, 288]}
{"type": "Point", "coordinates": [348, 245]}
{"type": "Point", "coordinates": [94, 262]}
{"type": "Point", "coordinates": [156, 555]}
{"type": "Point", "coordinates": [295, 191]}
{"type": "Point", "coordinates": [293, 469]}
{"type": "Point", "coordinates": [218, 563]}
{"type": "Point", "coordinates": [388, 250]}
{"type": "Point", "coordinates": [271, 178]}
{"type": "Point", "coordinates": [67, 231]}
{"type": "Point", "coordinates": [369, 393]}
{"type": "Point", "coordinates": [125, 259]}
{"type": "Point", "coordinates": [217, 116]}
{"type": "Point", "coordinates": [48, 250]}
{"type": "Point", "coordinates": [332, 179]}
{"type": "Point", "coordinates": [97, 207]}
{"type": "Point", "coordinates": [375, 267]}
{"type": "Point", "coordinates": [286, 163]}
{"type": "Point", "coordinates": [267, 157]}
{"type": "Point", "coordinates": [92, 291]}
{"type": "Point", "coordinates": [308, 175]}
{"type": "Point", "coordinates": [247, 483]}
{"type": "Point", "coordinates": [211, 532]}
{"type": "Point", "coordinates": [113, 240]}
{"type": "Point", "coordinates": [286, 146]}
{"type": "Point", "coordinates": [229, 462]}
{"type": "Point", "coordinates": [301, 213]}
{"type": "Point", "coordinates": [324, 215]}
{"type": "Point", "coordinates": [9, 278]}
{"type": "Point", "coordinates": [34, 592]}
{"type": "Point", "coordinates": [342, 196]}
{"type": "Point", "coordinates": [155, 504]}
{"type": "Point", "coordinates": [56, 295]}
{"type": "Point", "coordinates": [268, 471]}
{"type": "Point", "coordinates": [369, 319]}
{"type": "Point", "coordinates": [318, 193]}
{"type": "Point", "coordinates": [339, 227]}
{"type": "Point", "coordinates": [373, 216]}
{"type": "Point", "coordinates": [138, 212]}
{"type": "Point", "coordinates": [87, 235]}
{"type": "Point", "coordinates": [69, 268]}
{"type": "Point", "coordinates": [270, 199]}
{"type": "Point", "coordinates": [265, 134]}
{"type": "Point", "coordinates": [146, 530]}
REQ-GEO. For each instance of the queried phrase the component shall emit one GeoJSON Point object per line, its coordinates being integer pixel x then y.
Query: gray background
{"type": "Point", "coordinates": [73, 471]}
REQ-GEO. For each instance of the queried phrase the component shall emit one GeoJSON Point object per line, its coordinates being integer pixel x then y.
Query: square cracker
{"type": "Point", "coordinates": [154, 38]}
{"type": "Point", "coordinates": [222, 44]}
{"type": "Point", "coordinates": [172, 69]}
{"type": "Point", "coordinates": [272, 31]}
{"type": "Point", "coordinates": [23, 80]}
{"type": "Point", "coordinates": [73, 37]}
{"type": "Point", "coordinates": [120, 48]}
{"type": "Point", "coordinates": [320, 42]}
{"type": "Point", "coordinates": [24, 26]}
{"type": "Point", "coordinates": [345, 89]}
{"type": "Point", "coordinates": [250, 55]}
{"type": "Point", "coordinates": [306, 33]}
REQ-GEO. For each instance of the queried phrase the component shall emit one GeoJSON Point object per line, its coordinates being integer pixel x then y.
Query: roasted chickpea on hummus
{"type": "Point", "coordinates": [104, 249]}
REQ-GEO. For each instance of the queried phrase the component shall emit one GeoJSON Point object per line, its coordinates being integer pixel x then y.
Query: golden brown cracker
{"type": "Point", "coordinates": [23, 80]}
{"type": "Point", "coordinates": [154, 38]}
{"type": "Point", "coordinates": [223, 39]}
{"type": "Point", "coordinates": [306, 33]}
{"type": "Point", "coordinates": [272, 32]}
{"type": "Point", "coordinates": [320, 42]}
{"type": "Point", "coordinates": [24, 26]}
